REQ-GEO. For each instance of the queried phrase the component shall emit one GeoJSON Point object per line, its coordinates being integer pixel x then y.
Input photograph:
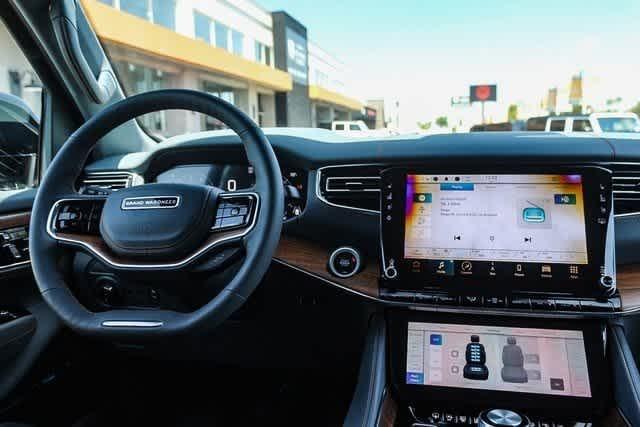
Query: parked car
{"type": "Point", "coordinates": [596, 123]}
{"type": "Point", "coordinates": [350, 127]}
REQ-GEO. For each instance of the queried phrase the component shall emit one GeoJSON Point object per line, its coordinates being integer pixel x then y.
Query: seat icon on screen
{"type": "Point", "coordinates": [533, 214]}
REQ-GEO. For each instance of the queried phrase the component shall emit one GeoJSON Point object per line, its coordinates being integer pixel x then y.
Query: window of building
{"type": "Point", "coordinates": [222, 36]}
{"type": "Point", "coordinates": [137, 79]}
{"type": "Point", "coordinates": [557, 126]}
{"type": "Point", "coordinates": [237, 42]}
{"type": "Point", "coordinates": [262, 53]}
{"type": "Point", "coordinates": [223, 92]}
{"type": "Point", "coordinates": [164, 13]}
{"type": "Point", "coordinates": [259, 53]}
{"type": "Point", "coordinates": [267, 55]}
{"type": "Point", "coordinates": [139, 8]}
{"type": "Point", "coordinates": [202, 25]}
{"type": "Point", "coordinates": [582, 125]}
{"type": "Point", "coordinates": [160, 12]}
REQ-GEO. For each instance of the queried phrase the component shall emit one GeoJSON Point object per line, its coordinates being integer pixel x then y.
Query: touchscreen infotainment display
{"type": "Point", "coordinates": [498, 218]}
{"type": "Point", "coordinates": [527, 360]}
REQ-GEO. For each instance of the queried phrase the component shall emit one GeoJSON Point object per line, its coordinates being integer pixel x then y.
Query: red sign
{"type": "Point", "coordinates": [482, 93]}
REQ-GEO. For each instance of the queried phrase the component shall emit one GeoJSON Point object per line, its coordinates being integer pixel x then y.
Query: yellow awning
{"type": "Point", "coordinates": [317, 93]}
{"type": "Point", "coordinates": [124, 29]}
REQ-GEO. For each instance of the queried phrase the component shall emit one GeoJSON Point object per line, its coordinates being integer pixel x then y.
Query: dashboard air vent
{"type": "Point", "coordinates": [626, 191]}
{"type": "Point", "coordinates": [356, 187]}
{"type": "Point", "coordinates": [111, 180]}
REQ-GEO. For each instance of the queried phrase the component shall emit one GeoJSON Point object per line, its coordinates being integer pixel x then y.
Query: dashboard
{"type": "Point", "coordinates": [494, 256]}
{"type": "Point", "coordinates": [494, 222]}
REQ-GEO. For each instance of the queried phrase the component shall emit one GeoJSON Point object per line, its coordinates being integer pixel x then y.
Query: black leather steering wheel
{"type": "Point", "coordinates": [154, 227]}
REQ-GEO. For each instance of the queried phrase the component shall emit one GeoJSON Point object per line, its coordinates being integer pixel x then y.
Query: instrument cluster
{"type": "Point", "coordinates": [240, 177]}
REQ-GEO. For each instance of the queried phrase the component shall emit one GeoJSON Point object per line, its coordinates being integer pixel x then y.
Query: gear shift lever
{"type": "Point", "coordinates": [502, 418]}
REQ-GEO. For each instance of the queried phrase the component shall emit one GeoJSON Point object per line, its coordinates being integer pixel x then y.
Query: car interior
{"type": "Point", "coordinates": [293, 276]}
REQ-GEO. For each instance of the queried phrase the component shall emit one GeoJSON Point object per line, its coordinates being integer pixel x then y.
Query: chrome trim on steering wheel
{"type": "Point", "coordinates": [225, 236]}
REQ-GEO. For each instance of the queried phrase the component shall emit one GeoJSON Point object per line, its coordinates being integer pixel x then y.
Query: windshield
{"type": "Point", "coordinates": [381, 68]}
{"type": "Point", "coordinates": [619, 124]}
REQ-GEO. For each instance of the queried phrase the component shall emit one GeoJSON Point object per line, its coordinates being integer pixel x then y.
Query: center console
{"type": "Point", "coordinates": [532, 239]}
{"type": "Point", "coordinates": [502, 292]}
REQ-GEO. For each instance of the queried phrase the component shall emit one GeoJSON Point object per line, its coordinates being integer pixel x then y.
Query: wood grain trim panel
{"type": "Point", "coordinates": [14, 220]}
{"type": "Point", "coordinates": [313, 257]}
{"type": "Point", "coordinates": [628, 283]}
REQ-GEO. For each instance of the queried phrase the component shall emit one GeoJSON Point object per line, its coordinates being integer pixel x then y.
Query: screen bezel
{"type": "Point", "coordinates": [451, 396]}
{"type": "Point", "coordinates": [393, 234]}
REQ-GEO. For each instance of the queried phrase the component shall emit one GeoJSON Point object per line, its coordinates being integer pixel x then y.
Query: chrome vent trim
{"type": "Point", "coordinates": [346, 189]}
{"type": "Point", "coordinates": [111, 180]}
{"type": "Point", "coordinates": [626, 191]}
{"type": "Point", "coordinates": [353, 184]}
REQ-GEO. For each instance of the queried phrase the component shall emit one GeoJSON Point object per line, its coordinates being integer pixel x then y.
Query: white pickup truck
{"type": "Point", "coordinates": [358, 129]}
{"type": "Point", "coordinates": [595, 123]}
{"type": "Point", "coordinates": [350, 128]}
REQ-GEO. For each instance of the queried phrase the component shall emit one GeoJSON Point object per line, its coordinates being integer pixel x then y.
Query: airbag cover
{"type": "Point", "coordinates": [160, 221]}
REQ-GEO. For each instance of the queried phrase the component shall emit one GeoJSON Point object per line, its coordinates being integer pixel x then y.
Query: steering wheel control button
{"type": "Point", "coordinates": [232, 212]}
{"type": "Point", "coordinates": [344, 262]}
{"type": "Point", "coordinates": [79, 216]}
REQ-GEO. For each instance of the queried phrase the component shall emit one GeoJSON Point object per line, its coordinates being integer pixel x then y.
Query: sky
{"type": "Point", "coordinates": [420, 53]}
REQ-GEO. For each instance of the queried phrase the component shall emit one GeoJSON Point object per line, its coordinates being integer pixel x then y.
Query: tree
{"type": "Point", "coordinates": [512, 113]}
{"type": "Point", "coordinates": [442, 122]}
{"type": "Point", "coordinates": [636, 109]}
{"type": "Point", "coordinates": [424, 125]}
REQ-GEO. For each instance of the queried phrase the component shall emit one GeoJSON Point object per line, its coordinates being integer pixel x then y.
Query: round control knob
{"type": "Point", "coordinates": [391, 272]}
{"type": "Point", "coordinates": [344, 262]}
{"type": "Point", "coordinates": [501, 418]}
{"type": "Point", "coordinates": [608, 284]}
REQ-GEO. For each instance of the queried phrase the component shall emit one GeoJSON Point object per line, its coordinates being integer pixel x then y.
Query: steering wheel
{"type": "Point", "coordinates": [155, 228]}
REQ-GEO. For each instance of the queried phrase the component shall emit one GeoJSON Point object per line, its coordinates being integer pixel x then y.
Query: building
{"type": "Point", "coordinates": [262, 62]}
{"type": "Point", "coordinates": [328, 83]}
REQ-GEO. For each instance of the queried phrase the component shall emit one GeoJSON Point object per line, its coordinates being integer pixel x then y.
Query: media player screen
{"type": "Point", "coordinates": [526, 360]}
{"type": "Point", "coordinates": [507, 218]}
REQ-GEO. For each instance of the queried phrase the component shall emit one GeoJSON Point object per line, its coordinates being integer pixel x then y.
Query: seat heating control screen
{"type": "Point", "coordinates": [527, 360]}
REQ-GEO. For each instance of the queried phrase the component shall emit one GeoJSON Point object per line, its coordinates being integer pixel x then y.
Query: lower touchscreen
{"type": "Point", "coordinates": [527, 360]}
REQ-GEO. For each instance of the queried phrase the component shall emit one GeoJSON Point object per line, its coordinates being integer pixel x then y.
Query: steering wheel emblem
{"type": "Point", "coordinates": [150, 202]}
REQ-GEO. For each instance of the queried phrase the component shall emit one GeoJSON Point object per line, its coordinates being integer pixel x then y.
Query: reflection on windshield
{"type": "Point", "coordinates": [619, 125]}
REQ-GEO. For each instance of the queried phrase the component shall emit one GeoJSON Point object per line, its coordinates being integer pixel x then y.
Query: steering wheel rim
{"type": "Point", "coordinates": [59, 182]}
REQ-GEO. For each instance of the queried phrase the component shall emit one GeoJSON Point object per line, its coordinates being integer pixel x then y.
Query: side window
{"type": "Point", "coordinates": [339, 126]}
{"type": "Point", "coordinates": [354, 127]}
{"type": "Point", "coordinates": [557, 126]}
{"type": "Point", "coordinates": [582, 125]}
{"type": "Point", "coordinates": [20, 108]}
